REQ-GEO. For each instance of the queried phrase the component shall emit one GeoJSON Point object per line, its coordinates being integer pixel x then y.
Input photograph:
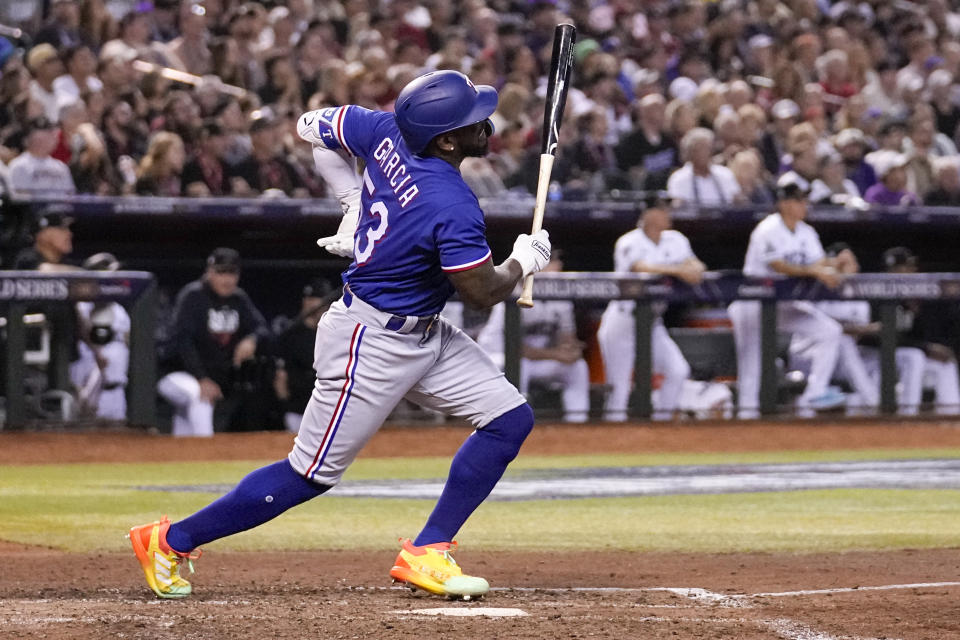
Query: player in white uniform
{"type": "Point", "coordinates": [782, 243]}
{"type": "Point", "coordinates": [100, 372]}
{"type": "Point", "coordinates": [550, 350]}
{"type": "Point", "coordinates": [652, 248]}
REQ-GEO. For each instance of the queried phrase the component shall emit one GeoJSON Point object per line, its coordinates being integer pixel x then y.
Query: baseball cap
{"type": "Point", "coordinates": [40, 55]}
{"type": "Point", "coordinates": [898, 257]}
{"type": "Point", "coordinates": [224, 259]}
{"type": "Point", "coordinates": [317, 288]}
{"type": "Point", "coordinates": [885, 162]}
{"type": "Point", "coordinates": [849, 135]}
{"type": "Point", "coordinates": [50, 220]}
{"type": "Point", "coordinates": [785, 108]}
{"type": "Point", "coordinates": [103, 261]}
{"type": "Point", "coordinates": [792, 186]}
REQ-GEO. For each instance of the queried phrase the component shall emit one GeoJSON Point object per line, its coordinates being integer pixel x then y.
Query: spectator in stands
{"type": "Point", "coordinates": [550, 351]}
{"type": "Point", "coordinates": [892, 188]}
{"type": "Point", "coordinates": [266, 168]}
{"type": "Point", "coordinates": [134, 41]}
{"type": "Point", "coordinates": [52, 246]}
{"type": "Point", "coordinates": [649, 152]}
{"type": "Point", "coordinates": [852, 147]}
{"type": "Point", "coordinates": [45, 65]}
{"type": "Point", "coordinates": [89, 164]}
{"type": "Point", "coordinates": [594, 165]}
{"type": "Point", "coordinates": [282, 89]}
{"type": "Point", "coordinates": [62, 28]}
{"type": "Point", "coordinates": [97, 24]}
{"type": "Point", "coordinates": [99, 374]}
{"type": "Point", "coordinates": [160, 171]}
{"type": "Point", "coordinates": [785, 114]}
{"type": "Point", "coordinates": [699, 181]}
{"type": "Point", "coordinates": [72, 115]}
{"type": "Point", "coordinates": [748, 171]}
{"type": "Point", "coordinates": [293, 350]}
{"type": "Point", "coordinates": [81, 66]}
{"type": "Point", "coordinates": [881, 92]}
{"type": "Point", "coordinates": [782, 243]}
{"type": "Point", "coordinates": [181, 115]}
{"type": "Point", "coordinates": [214, 329]}
{"type": "Point", "coordinates": [206, 173]}
{"type": "Point", "coordinates": [190, 51]}
{"type": "Point", "coordinates": [651, 248]}
{"type": "Point", "coordinates": [946, 191]}
{"type": "Point", "coordinates": [119, 79]}
{"type": "Point", "coordinates": [832, 185]}
{"type": "Point", "coordinates": [125, 141]}
{"type": "Point", "coordinates": [35, 172]}
{"type": "Point", "coordinates": [236, 127]}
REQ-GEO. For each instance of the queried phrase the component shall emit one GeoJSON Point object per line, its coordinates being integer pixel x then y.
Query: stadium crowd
{"type": "Point", "coordinates": [709, 102]}
{"type": "Point", "coordinates": [859, 98]}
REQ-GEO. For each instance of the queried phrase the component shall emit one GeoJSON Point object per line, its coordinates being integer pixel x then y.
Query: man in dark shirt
{"type": "Point", "coordinates": [215, 328]}
{"type": "Point", "coordinates": [293, 351]}
{"type": "Point", "coordinates": [649, 152]}
{"type": "Point", "coordinates": [52, 246]}
{"type": "Point", "coordinates": [266, 167]}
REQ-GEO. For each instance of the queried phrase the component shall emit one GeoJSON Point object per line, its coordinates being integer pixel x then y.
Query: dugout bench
{"type": "Point", "coordinates": [721, 288]}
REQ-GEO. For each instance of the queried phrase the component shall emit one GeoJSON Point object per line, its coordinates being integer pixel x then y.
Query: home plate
{"type": "Point", "coordinates": [490, 612]}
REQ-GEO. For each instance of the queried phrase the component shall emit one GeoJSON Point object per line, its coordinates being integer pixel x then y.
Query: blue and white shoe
{"type": "Point", "coordinates": [831, 398]}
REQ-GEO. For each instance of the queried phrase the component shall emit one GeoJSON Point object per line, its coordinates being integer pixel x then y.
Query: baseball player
{"type": "Point", "coordinates": [782, 243]}
{"type": "Point", "coordinates": [100, 371]}
{"type": "Point", "coordinates": [416, 234]}
{"type": "Point", "coordinates": [550, 350]}
{"type": "Point", "coordinates": [651, 248]}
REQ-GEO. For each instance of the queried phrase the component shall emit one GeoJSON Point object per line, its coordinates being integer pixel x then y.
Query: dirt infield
{"type": "Point", "coordinates": [910, 595]}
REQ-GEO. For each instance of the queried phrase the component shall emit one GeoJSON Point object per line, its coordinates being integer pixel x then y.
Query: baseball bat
{"type": "Point", "coordinates": [558, 81]}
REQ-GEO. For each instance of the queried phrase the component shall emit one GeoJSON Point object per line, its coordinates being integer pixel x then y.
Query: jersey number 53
{"type": "Point", "coordinates": [372, 234]}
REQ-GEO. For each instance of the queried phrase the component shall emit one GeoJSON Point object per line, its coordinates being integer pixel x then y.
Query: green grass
{"type": "Point", "coordinates": [87, 507]}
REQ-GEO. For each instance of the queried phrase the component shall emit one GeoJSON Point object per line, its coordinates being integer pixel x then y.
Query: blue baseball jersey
{"type": "Point", "coordinates": [419, 219]}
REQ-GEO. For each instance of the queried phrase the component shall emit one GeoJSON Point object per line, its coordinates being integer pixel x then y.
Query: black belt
{"type": "Point", "coordinates": [396, 322]}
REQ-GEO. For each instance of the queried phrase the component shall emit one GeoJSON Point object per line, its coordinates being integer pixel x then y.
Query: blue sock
{"type": "Point", "coordinates": [475, 470]}
{"type": "Point", "coordinates": [261, 496]}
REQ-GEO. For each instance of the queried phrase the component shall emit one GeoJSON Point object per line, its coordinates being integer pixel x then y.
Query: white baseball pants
{"type": "Point", "coordinates": [192, 415]}
{"type": "Point", "coordinates": [617, 339]}
{"type": "Point", "coordinates": [820, 333]}
{"type": "Point", "coordinates": [575, 378]}
{"type": "Point", "coordinates": [364, 370]}
{"type": "Point", "coordinates": [851, 367]}
{"type": "Point", "coordinates": [914, 371]}
{"type": "Point", "coordinates": [90, 380]}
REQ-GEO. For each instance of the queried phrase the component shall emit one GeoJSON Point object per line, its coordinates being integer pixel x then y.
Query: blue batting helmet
{"type": "Point", "coordinates": [438, 102]}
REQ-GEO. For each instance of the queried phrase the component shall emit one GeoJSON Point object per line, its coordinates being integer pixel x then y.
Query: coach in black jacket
{"type": "Point", "coordinates": [214, 329]}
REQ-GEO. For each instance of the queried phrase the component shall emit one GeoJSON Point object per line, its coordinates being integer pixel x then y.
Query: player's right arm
{"type": "Point", "coordinates": [485, 285]}
{"type": "Point", "coordinates": [822, 270]}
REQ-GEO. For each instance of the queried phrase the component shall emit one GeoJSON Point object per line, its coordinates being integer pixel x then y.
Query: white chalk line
{"type": "Point", "coordinates": [702, 594]}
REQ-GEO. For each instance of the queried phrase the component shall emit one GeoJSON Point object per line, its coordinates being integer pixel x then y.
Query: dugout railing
{"type": "Point", "coordinates": [53, 292]}
{"type": "Point", "coordinates": [721, 288]}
